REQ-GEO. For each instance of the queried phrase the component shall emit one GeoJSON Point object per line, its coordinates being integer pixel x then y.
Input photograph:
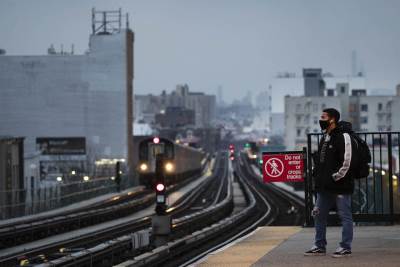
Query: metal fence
{"type": "Point", "coordinates": [51, 196]}
{"type": "Point", "coordinates": [377, 197]}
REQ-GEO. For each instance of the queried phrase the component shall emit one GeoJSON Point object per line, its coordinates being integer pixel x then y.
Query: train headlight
{"type": "Point", "coordinates": [169, 167]}
{"type": "Point", "coordinates": [143, 167]}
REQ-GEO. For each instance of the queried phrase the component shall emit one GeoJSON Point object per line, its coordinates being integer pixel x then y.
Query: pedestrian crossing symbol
{"type": "Point", "coordinates": [274, 167]}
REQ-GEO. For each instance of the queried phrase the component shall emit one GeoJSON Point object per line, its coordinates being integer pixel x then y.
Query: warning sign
{"type": "Point", "coordinates": [283, 166]}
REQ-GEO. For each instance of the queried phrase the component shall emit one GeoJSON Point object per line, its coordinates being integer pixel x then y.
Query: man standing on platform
{"type": "Point", "coordinates": [334, 183]}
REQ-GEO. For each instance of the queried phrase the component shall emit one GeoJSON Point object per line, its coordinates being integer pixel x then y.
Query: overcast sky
{"type": "Point", "coordinates": [240, 45]}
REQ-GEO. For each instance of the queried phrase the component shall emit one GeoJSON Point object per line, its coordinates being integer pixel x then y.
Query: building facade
{"type": "Point", "coordinates": [66, 95]}
{"type": "Point", "coordinates": [204, 106]}
{"type": "Point", "coordinates": [366, 113]}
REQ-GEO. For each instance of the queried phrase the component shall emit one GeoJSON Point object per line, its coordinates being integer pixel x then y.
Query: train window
{"type": "Point", "coordinates": [169, 151]}
{"type": "Point", "coordinates": [156, 149]}
{"type": "Point", "coordinates": [143, 152]}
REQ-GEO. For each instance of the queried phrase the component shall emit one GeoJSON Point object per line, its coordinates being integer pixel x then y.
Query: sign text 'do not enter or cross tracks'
{"type": "Point", "coordinates": [283, 166]}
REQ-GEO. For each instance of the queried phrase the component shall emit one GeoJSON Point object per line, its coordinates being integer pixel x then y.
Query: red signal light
{"type": "Point", "coordinates": [160, 187]}
{"type": "Point", "coordinates": [231, 146]}
{"type": "Point", "coordinates": [231, 157]}
{"type": "Point", "coordinates": [156, 140]}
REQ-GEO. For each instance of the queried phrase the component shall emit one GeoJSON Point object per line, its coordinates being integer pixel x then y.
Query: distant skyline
{"type": "Point", "coordinates": [239, 45]}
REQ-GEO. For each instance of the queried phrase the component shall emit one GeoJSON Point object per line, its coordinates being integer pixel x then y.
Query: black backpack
{"type": "Point", "coordinates": [362, 157]}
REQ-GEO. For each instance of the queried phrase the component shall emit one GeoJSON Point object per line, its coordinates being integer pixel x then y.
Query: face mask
{"type": "Point", "coordinates": [324, 124]}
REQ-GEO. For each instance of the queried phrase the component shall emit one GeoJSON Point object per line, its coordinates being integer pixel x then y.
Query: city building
{"type": "Point", "coordinates": [314, 85]}
{"type": "Point", "coordinates": [289, 83]}
{"type": "Point", "coordinates": [204, 106]}
{"type": "Point", "coordinates": [365, 112]}
{"type": "Point", "coordinates": [66, 95]}
{"type": "Point", "coordinates": [174, 117]}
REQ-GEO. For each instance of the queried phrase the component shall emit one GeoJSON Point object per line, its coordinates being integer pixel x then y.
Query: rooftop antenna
{"type": "Point", "coordinates": [72, 49]}
{"type": "Point", "coordinates": [107, 22]}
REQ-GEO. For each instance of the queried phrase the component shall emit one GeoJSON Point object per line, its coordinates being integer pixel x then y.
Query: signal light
{"type": "Point", "coordinates": [232, 157]}
{"type": "Point", "coordinates": [160, 187]}
{"type": "Point", "coordinates": [231, 150]}
{"type": "Point", "coordinates": [156, 140]}
{"type": "Point", "coordinates": [231, 146]}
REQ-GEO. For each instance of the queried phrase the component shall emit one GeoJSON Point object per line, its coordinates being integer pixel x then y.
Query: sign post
{"type": "Point", "coordinates": [287, 166]}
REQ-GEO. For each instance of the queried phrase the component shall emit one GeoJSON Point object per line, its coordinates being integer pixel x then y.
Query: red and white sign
{"type": "Point", "coordinates": [283, 167]}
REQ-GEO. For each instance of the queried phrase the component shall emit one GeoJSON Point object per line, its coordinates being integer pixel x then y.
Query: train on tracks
{"type": "Point", "coordinates": [180, 162]}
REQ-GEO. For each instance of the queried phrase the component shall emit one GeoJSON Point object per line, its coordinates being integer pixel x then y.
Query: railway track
{"type": "Point", "coordinates": [35, 228]}
{"type": "Point", "coordinates": [201, 223]}
{"type": "Point", "coordinates": [264, 207]}
{"type": "Point", "coordinates": [288, 207]}
{"type": "Point", "coordinates": [92, 239]}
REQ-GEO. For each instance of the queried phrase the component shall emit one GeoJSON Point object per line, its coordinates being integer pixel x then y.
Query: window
{"type": "Point", "coordinates": [307, 119]}
{"type": "Point", "coordinates": [307, 107]}
{"type": "Point", "coordinates": [364, 107]}
{"type": "Point", "coordinates": [298, 107]}
{"type": "Point", "coordinates": [342, 89]}
{"type": "Point", "coordinates": [298, 118]}
{"type": "Point", "coordinates": [298, 132]}
{"type": "Point", "coordinates": [379, 106]}
{"type": "Point", "coordinates": [323, 106]}
{"type": "Point", "coordinates": [364, 120]}
{"type": "Point", "coordinates": [316, 121]}
{"type": "Point", "coordinates": [315, 107]}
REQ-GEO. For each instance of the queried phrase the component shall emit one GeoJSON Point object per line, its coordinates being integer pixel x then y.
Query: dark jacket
{"type": "Point", "coordinates": [333, 163]}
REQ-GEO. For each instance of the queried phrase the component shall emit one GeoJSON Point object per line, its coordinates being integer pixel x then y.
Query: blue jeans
{"type": "Point", "coordinates": [325, 201]}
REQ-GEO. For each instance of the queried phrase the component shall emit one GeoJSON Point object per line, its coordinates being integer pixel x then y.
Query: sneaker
{"type": "Point", "coordinates": [315, 251]}
{"type": "Point", "coordinates": [341, 252]}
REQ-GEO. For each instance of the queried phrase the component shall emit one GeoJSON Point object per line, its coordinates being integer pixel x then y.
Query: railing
{"type": "Point", "coordinates": [377, 197]}
{"type": "Point", "coordinates": [50, 196]}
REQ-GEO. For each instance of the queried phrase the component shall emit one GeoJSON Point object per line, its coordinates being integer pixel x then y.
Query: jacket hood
{"type": "Point", "coordinates": [345, 126]}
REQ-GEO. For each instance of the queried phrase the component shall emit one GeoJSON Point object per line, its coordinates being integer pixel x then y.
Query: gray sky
{"type": "Point", "coordinates": [240, 45]}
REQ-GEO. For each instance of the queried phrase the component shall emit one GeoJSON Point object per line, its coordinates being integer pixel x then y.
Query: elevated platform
{"type": "Point", "coordinates": [284, 246]}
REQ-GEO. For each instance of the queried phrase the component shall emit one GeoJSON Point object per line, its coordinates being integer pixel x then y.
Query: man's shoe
{"type": "Point", "coordinates": [315, 251]}
{"type": "Point", "coordinates": [341, 252]}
